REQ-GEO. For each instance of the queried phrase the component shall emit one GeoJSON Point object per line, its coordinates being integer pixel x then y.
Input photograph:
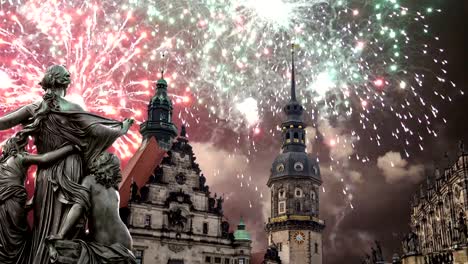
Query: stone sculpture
{"type": "Point", "coordinates": [54, 123]}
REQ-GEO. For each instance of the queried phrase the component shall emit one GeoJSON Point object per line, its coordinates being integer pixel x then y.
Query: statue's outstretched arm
{"type": "Point", "coordinates": [14, 118]}
{"type": "Point", "coordinates": [49, 157]}
{"type": "Point", "coordinates": [120, 130]}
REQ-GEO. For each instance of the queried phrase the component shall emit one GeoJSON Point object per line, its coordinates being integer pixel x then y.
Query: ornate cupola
{"type": "Point", "coordinates": [294, 161]}
{"type": "Point", "coordinates": [294, 225]}
{"type": "Point", "coordinates": [159, 123]}
{"type": "Point", "coordinates": [241, 234]}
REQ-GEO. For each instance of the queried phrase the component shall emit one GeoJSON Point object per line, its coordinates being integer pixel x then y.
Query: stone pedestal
{"type": "Point", "coordinates": [413, 259]}
{"type": "Point", "coordinates": [460, 256]}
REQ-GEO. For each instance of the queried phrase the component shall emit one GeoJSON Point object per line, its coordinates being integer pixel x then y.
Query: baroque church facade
{"type": "Point", "coordinates": [439, 213]}
{"type": "Point", "coordinates": [173, 217]}
{"type": "Point", "coordinates": [294, 228]}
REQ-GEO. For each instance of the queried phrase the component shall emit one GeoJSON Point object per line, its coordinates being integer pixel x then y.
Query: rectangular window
{"type": "Point", "coordinates": [139, 256]}
{"type": "Point", "coordinates": [241, 261]}
{"type": "Point", "coordinates": [207, 259]}
{"type": "Point", "coordinates": [316, 248]}
{"type": "Point", "coordinates": [280, 247]}
{"type": "Point", "coordinates": [205, 228]}
{"type": "Point", "coordinates": [217, 260]}
{"type": "Point", "coordinates": [227, 261]}
{"type": "Point", "coordinates": [282, 207]}
{"type": "Point", "coordinates": [147, 220]}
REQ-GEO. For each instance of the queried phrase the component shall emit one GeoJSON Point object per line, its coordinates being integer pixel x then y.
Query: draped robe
{"type": "Point", "coordinates": [14, 229]}
{"type": "Point", "coordinates": [58, 186]}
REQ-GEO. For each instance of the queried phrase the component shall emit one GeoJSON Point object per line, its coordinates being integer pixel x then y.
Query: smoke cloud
{"type": "Point", "coordinates": [395, 168]}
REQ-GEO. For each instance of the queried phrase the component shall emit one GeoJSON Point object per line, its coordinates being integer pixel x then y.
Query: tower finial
{"type": "Point", "coordinates": [163, 57]}
{"type": "Point", "coordinates": [293, 77]}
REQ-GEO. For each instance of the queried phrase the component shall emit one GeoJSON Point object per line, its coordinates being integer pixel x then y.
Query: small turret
{"type": "Point", "coordinates": [159, 123]}
{"type": "Point", "coordinates": [241, 234]}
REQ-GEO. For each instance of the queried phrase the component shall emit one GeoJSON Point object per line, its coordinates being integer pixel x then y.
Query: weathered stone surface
{"type": "Point", "coordinates": [181, 221]}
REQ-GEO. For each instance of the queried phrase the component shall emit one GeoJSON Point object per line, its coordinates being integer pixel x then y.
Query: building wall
{"type": "Point", "coordinates": [286, 191]}
{"type": "Point", "coordinates": [281, 240]}
{"type": "Point", "coordinates": [437, 207]}
{"type": "Point", "coordinates": [292, 252]}
{"type": "Point", "coordinates": [158, 250]}
{"type": "Point", "coordinates": [200, 238]}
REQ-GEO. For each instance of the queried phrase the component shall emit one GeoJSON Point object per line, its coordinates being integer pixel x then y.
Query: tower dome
{"type": "Point", "coordinates": [241, 234]}
{"type": "Point", "coordinates": [294, 225]}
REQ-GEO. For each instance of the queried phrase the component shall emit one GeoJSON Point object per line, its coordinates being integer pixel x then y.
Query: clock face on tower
{"type": "Point", "coordinates": [180, 178]}
{"type": "Point", "coordinates": [299, 237]}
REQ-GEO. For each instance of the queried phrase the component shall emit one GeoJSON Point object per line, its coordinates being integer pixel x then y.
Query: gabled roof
{"type": "Point", "coordinates": [140, 167]}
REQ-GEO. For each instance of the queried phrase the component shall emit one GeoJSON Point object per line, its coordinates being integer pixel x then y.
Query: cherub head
{"type": "Point", "coordinates": [106, 169]}
{"type": "Point", "coordinates": [11, 147]}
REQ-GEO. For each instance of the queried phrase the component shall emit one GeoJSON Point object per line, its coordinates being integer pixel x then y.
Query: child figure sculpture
{"type": "Point", "coordinates": [109, 240]}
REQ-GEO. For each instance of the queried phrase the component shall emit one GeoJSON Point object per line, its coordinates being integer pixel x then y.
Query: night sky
{"type": "Point", "coordinates": [117, 83]}
{"type": "Point", "coordinates": [381, 195]}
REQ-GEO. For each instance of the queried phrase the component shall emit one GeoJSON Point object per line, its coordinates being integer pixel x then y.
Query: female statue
{"type": "Point", "coordinates": [53, 123]}
{"type": "Point", "coordinates": [14, 229]}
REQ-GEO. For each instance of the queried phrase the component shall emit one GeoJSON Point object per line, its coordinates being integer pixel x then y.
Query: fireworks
{"type": "Point", "coordinates": [231, 59]}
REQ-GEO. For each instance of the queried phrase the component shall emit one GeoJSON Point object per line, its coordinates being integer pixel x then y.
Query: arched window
{"type": "Point", "coordinates": [281, 194]}
{"type": "Point", "coordinates": [163, 117]}
{"type": "Point", "coordinates": [147, 221]}
{"type": "Point", "coordinates": [298, 206]}
{"type": "Point", "coordinates": [296, 135]}
{"type": "Point", "coordinates": [298, 166]}
{"type": "Point", "coordinates": [288, 136]}
{"type": "Point", "coordinates": [298, 192]}
{"type": "Point", "coordinates": [313, 196]}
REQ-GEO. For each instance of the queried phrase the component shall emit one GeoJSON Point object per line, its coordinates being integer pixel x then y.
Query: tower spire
{"type": "Point", "coordinates": [293, 76]}
{"type": "Point", "coordinates": [159, 123]}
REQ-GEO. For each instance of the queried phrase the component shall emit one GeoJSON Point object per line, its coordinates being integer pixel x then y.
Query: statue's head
{"type": "Point", "coordinates": [106, 169]}
{"type": "Point", "coordinates": [56, 79]}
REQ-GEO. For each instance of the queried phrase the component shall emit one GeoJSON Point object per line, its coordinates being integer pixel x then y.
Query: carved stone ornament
{"type": "Point", "coordinates": [176, 248]}
{"type": "Point", "coordinates": [181, 178]}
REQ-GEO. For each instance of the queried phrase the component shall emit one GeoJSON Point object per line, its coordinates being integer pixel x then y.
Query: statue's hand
{"type": "Point", "coordinates": [77, 148]}
{"type": "Point", "coordinates": [126, 124]}
{"type": "Point", "coordinates": [53, 254]}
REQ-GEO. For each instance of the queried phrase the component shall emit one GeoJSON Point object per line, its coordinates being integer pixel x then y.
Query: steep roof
{"type": "Point", "coordinates": [140, 167]}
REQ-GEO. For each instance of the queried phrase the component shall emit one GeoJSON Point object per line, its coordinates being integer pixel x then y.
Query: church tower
{"type": "Point", "coordinates": [294, 227]}
{"type": "Point", "coordinates": [159, 123]}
